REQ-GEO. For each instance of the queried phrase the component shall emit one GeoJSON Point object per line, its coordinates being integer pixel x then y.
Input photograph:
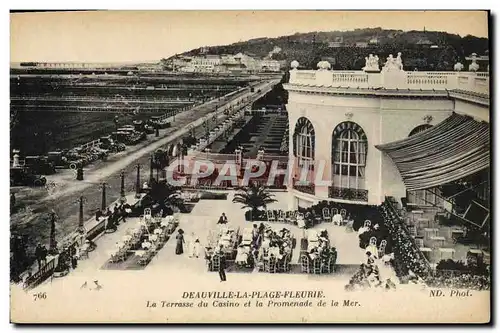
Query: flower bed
{"type": "Point", "coordinates": [204, 195]}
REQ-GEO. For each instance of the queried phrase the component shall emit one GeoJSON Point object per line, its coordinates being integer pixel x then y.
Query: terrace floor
{"type": "Point", "coordinates": [201, 220]}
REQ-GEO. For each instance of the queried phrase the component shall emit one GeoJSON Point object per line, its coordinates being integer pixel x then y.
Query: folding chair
{"type": "Point", "coordinates": [326, 215]}
{"type": "Point", "coordinates": [381, 248]}
{"type": "Point", "coordinates": [147, 214]}
{"type": "Point", "coordinates": [270, 266]}
{"type": "Point", "coordinates": [305, 264]}
{"type": "Point", "coordinates": [317, 266]}
{"type": "Point", "coordinates": [281, 216]}
{"type": "Point", "coordinates": [270, 216]}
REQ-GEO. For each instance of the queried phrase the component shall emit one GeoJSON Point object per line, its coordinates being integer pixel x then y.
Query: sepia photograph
{"type": "Point", "coordinates": [250, 167]}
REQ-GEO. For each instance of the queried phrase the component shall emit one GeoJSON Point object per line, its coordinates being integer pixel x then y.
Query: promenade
{"type": "Point", "coordinates": [64, 198]}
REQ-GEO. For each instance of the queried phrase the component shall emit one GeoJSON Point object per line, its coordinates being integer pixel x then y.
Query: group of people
{"type": "Point", "coordinates": [120, 212]}
{"type": "Point", "coordinates": [319, 247]}
{"type": "Point", "coordinates": [405, 251]}
{"type": "Point", "coordinates": [272, 245]}
{"type": "Point", "coordinates": [368, 276]}
{"type": "Point", "coordinates": [194, 244]}
{"type": "Point", "coordinates": [41, 253]}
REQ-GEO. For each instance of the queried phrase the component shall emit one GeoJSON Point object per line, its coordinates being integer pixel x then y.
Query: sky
{"type": "Point", "coordinates": [132, 36]}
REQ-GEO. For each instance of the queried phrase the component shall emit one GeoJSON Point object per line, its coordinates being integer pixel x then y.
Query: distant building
{"type": "Point", "coordinates": [226, 63]}
{"type": "Point", "coordinates": [362, 44]}
{"type": "Point", "coordinates": [373, 41]}
{"type": "Point", "coordinates": [425, 43]}
{"type": "Point", "coordinates": [270, 65]}
{"type": "Point", "coordinates": [338, 42]}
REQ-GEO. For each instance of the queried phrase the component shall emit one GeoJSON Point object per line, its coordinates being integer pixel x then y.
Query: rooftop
{"type": "Point", "coordinates": [473, 86]}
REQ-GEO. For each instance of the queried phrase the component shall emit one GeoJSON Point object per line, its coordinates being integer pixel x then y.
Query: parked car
{"type": "Point", "coordinates": [20, 176]}
{"type": "Point", "coordinates": [40, 165]}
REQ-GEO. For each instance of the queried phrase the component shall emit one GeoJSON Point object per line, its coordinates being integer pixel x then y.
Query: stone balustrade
{"type": "Point", "coordinates": [440, 81]}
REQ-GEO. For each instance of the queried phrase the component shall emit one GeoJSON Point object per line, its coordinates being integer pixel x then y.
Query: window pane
{"type": "Point", "coordinates": [353, 158]}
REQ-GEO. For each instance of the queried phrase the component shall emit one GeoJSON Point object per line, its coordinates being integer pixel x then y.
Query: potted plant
{"type": "Point", "coordinates": [254, 197]}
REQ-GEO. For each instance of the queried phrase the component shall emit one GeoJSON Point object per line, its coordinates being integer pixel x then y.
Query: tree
{"type": "Point", "coordinates": [254, 197]}
{"type": "Point", "coordinates": [165, 195]}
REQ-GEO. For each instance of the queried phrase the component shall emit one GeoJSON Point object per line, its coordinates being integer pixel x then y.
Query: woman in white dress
{"type": "Point", "coordinates": [301, 222]}
{"type": "Point", "coordinates": [194, 246]}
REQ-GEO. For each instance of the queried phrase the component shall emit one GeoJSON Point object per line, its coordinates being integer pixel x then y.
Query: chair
{"type": "Point", "coordinates": [335, 211]}
{"type": "Point", "coordinates": [147, 214]}
{"type": "Point", "coordinates": [367, 224]}
{"type": "Point", "coordinates": [84, 253]}
{"type": "Point", "coordinates": [381, 248]}
{"type": "Point", "coordinates": [373, 241]}
{"type": "Point", "coordinates": [284, 265]}
{"type": "Point", "coordinates": [305, 264]}
{"type": "Point", "coordinates": [343, 212]}
{"type": "Point", "coordinates": [317, 266]}
{"type": "Point", "coordinates": [215, 262]}
{"type": "Point", "coordinates": [326, 215]}
{"type": "Point", "coordinates": [281, 216]}
{"type": "Point", "coordinates": [270, 265]}
{"type": "Point", "coordinates": [331, 264]}
{"type": "Point", "coordinates": [270, 216]}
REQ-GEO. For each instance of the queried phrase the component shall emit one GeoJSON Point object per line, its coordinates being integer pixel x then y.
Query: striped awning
{"type": "Point", "coordinates": [455, 148]}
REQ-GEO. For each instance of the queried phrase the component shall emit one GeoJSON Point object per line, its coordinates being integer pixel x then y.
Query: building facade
{"type": "Point", "coordinates": [337, 118]}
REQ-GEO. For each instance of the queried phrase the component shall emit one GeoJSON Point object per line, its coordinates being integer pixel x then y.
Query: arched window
{"type": "Point", "coordinates": [430, 197]}
{"type": "Point", "coordinates": [349, 149]}
{"type": "Point", "coordinates": [419, 128]}
{"type": "Point", "coordinates": [303, 141]}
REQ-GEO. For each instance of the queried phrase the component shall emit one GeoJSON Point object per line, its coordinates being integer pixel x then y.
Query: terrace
{"type": "Point", "coordinates": [464, 85]}
{"type": "Point", "coordinates": [201, 221]}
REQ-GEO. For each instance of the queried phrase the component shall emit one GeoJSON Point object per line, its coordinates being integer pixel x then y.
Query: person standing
{"type": "Point", "coordinates": [38, 255]}
{"type": "Point", "coordinates": [180, 241]}
{"type": "Point", "coordinates": [44, 253]}
{"type": "Point", "coordinates": [222, 265]}
{"type": "Point", "coordinates": [194, 246]}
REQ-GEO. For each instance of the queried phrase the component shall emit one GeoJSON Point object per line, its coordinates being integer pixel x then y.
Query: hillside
{"type": "Point", "coordinates": [353, 46]}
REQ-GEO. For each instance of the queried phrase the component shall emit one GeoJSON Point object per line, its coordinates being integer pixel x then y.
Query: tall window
{"type": "Point", "coordinates": [349, 155]}
{"type": "Point", "coordinates": [304, 142]}
{"type": "Point", "coordinates": [430, 197]}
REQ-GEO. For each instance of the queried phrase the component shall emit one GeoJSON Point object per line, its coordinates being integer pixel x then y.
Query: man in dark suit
{"type": "Point", "coordinates": [222, 265]}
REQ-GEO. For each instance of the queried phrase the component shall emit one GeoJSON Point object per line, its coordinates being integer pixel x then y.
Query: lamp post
{"type": "Point", "coordinates": [138, 182]}
{"type": "Point", "coordinates": [81, 227]}
{"type": "Point", "coordinates": [151, 164]}
{"type": "Point", "coordinates": [103, 198]}
{"type": "Point", "coordinates": [52, 240]}
{"type": "Point", "coordinates": [123, 198]}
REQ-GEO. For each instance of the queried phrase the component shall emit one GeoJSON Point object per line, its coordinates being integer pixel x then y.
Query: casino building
{"type": "Point", "coordinates": [386, 132]}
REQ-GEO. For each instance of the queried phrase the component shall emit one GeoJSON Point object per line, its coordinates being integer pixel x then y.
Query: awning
{"type": "Point", "coordinates": [455, 148]}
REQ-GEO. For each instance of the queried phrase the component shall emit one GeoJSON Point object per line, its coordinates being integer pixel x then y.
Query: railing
{"type": "Point", "coordinates": [349, 77]}
{"type": "Point", "coordinates": [347, 193]}
{"type": "Point", "coordinates": [397, 218]}
{"type": "Point", "coordinates": [91, 144]}
{"type": "Point", "coordinates": [308, 189]}
{"type": "Point", "coordinates": [41, 275]}
{"type": "Point", "coordinates": [440, 81]}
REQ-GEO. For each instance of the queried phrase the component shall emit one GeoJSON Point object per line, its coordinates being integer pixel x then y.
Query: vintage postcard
{"type": "Point", "coordinates": [250, 167]}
